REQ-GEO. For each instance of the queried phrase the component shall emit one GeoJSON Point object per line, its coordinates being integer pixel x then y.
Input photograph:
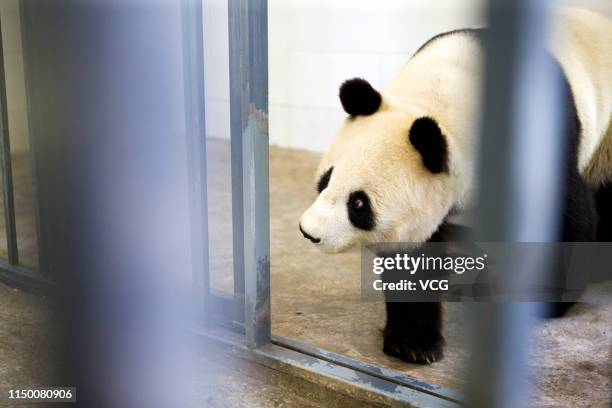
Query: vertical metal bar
{"type": "Point", "coordinates": [7, 171]}
{"type": "Point", "coordinates": [519, 138]}
{"type": "Point", "coordinates": [248, 27]}
{"type": "Point", "coordinates": [43, 266]}
{"type": "Point", "coordinates": [195, 127]}
{"type": "Point", "coordinates": [239, 87]}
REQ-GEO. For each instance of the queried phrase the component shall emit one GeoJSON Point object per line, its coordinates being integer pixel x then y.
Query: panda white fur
{"type": "Point", "coordinates": [404, 158]}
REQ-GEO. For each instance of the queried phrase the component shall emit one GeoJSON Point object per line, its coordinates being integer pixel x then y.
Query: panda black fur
{"type": "Point", "coordinates": [403, 159]}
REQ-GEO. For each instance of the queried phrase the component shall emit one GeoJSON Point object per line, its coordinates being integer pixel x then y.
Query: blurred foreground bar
{"type": "Point", "coordinates": [520, 137]}
{"type": "Point", "coordinates": [106, 94]}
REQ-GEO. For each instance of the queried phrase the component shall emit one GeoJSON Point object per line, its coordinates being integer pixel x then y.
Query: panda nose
{"type": "Point", "coordinates": [308, 236]}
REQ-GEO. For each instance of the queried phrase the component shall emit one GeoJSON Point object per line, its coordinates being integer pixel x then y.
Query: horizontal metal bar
{"type": "Point", "coordinates": [375, 371]}
{"type": "Point", "coordinates": [25, 279]}
{"type": "Point", "coordinates": [339, 378]}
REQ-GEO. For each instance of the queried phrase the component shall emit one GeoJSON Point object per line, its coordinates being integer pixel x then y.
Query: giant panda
{"type": "Point", "coordinates": [404, 158]}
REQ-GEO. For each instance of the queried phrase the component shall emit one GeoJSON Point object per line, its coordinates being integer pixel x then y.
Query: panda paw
{"type": "Point", "coordinates": [413, 349]}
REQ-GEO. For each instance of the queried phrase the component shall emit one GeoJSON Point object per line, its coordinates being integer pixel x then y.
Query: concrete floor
{"type": "Point", "coordinates": [316, 300]}
{"type": "Point", "coordinates": [25, 340]}
{"type": "Point", "coordinates": [25, 356]}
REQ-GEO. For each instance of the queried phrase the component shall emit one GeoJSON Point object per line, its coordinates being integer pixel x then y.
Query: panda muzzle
{"type": "Point", "coordinates": [308, 236]}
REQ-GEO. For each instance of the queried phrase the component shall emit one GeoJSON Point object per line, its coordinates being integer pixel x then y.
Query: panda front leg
{"type": "Point", "coordinates": [414, 332]}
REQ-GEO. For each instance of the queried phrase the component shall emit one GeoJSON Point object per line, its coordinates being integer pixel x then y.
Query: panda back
{"type": "Point", "coordinates": [582, 43]}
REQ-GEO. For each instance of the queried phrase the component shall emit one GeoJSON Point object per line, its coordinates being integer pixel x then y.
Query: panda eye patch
{"type": "Point", "coordinates": [324, 180]}
{"type": "Point", "coordinates": [360, 211]}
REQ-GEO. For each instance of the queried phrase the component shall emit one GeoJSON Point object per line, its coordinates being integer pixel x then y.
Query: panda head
{"type": "Point", "coordinates": [387, 176]}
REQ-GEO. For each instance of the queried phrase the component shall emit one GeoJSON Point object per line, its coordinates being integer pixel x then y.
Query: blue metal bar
{"type": "Point", "coordinates": [248, 30]}
{"type": "Point", "coordinates": [193, 66]}
{"type": "Point", "coordinates": [375, 371]}
{"type": "Point", "coordinates": [519, 138]}
{"type": "Point", "coordinates": [7, 171]}
{"type": "Point", "coordinates": [238, 112]}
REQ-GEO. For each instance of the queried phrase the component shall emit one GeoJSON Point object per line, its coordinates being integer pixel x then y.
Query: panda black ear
{"type": "Point", "coordinates": [358, 97]}
{"type": "Point", "coordinates": [427, 138]}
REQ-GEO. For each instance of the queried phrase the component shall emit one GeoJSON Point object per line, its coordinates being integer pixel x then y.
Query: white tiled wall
{"type": "Point", "coordinates": [316, 44]}
{"type": "Point", "coordinates": [15, 84]}
{"type": "Point", "coordinates": [313, 46]}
